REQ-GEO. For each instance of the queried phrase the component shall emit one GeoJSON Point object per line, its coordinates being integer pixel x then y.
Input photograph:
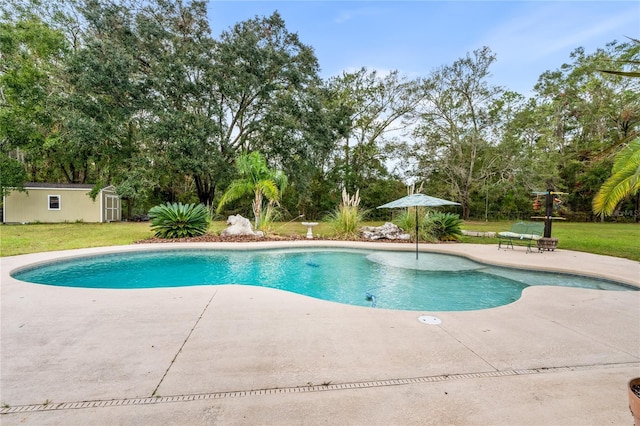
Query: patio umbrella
{"type": "Point", "coordinates": [417, 200]}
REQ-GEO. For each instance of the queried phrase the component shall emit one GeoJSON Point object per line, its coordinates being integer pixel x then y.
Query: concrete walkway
{"type": "Point", "coordinates": [242, 355]}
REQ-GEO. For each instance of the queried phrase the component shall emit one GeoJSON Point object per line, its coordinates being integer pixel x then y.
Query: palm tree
{"type": "Point", "coordinates": [625, 175]}
{"type": "Point", "coordinates": [255, 178]}
{"type": "Point", "coordinates": [624, 180]}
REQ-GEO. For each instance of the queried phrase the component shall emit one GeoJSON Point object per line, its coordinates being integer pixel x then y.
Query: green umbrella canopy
{"type": "Point", "coordinates": [418, 200]}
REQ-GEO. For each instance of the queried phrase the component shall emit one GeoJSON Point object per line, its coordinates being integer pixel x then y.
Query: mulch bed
{"type": "Point", "coordinates": [209, 238]}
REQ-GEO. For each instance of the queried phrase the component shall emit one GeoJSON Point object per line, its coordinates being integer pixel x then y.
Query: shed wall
{"type": "Point", "coordinates": [33, 206]}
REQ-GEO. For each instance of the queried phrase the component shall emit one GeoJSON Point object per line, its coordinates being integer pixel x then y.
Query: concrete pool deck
{"type": "Point", "coordinates": [249, 355]}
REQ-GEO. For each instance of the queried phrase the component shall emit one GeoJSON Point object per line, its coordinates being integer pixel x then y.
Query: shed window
{"type": "Point", "coordinates": [54, 202]}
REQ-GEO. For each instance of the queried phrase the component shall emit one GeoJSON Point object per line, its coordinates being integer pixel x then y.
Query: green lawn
{"type": "Point", "coordinates": [22, 239]}
{"type": "Point", "coordinates": [613, 239]}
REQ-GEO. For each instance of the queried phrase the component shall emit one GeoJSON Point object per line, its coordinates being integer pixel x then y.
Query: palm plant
{"type": "Point", "coordinates": [445, 226]}
{"type": "Point", "coordinates": [179, 220]}
{"type": "Point", "coordinates": [624, 180]}
{"type": "Point", "coordinates": [255, 177]}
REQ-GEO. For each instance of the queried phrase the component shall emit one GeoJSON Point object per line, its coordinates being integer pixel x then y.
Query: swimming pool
{"type": "Point", "coordinates": [384, 279]}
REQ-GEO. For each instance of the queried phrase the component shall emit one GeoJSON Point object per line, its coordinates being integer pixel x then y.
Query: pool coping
{"type": "Point", "coordinates": [565, 261]}
{"type": "Point", "coordinates": [194, 356]}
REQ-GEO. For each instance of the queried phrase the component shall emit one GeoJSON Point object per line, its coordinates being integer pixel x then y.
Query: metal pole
{"type": "Point", "coordinates": [416, 232]}
{"type": "Point", "coordinates": [548, 212]}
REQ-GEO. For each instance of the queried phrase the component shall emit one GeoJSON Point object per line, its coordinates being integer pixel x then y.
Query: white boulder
{"type": "Point", "coordinates": [388, 231]}
{"type": "Point", "coordinates": [239, 225]}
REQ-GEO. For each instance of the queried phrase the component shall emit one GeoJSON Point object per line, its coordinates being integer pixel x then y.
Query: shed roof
{"type": "Point", "coordinates": [28, 185]}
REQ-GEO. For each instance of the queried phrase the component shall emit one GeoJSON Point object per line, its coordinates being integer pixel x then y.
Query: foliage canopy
{"type": "Point", "coordinates": [143, 96]}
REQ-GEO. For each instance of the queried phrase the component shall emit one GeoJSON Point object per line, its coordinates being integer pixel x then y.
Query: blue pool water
{"type": "Point", "coordinates": [391, 280]}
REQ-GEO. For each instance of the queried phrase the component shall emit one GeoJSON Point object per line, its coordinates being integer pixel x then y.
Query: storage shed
{"type": "Point", "coordinates": [61, 202]}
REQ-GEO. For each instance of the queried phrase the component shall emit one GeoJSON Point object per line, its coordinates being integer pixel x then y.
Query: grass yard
{"type": "Point", "coordinates": [32, 238]}
{"type": "Point", "coordinates": [613, 239]}
{"type": "Point", "coordinates": [23, 239]}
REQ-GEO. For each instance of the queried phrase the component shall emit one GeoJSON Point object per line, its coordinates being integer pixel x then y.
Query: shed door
{"type": "Point", "coordinates": [112, 208]}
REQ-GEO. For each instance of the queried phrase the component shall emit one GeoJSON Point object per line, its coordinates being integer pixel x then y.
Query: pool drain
{"type": "Point", "coordinates": [426, 319]}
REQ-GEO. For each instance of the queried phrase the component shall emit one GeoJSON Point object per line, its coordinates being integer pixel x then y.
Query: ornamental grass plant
{"type": "Point", "coordinates": [406, 220]}
{"type": "Point", "coordinates": [269, 216]}
{"type": "Point", "coordinates": [347, 218]}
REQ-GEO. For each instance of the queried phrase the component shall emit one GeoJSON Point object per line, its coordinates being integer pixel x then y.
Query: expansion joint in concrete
{"type": "Point", "coordinates": [54, 406]}
{"type": "Point", "coordinates": [183, 343]}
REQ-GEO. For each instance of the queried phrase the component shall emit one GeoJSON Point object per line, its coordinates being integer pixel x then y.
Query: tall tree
{"type": "Point", "coordinates": [102, 97]}
{"type": "Point", "coordinates": [32, 57]}
{"type": "Point", "coordinates": [266, 84]}
{"type": "Point", "coordinates": [376, 112]}
{"type": "Point", "coordinates": [300, 136]}
{"type": "Point", "coordinates": [180, 110]}
{"type": "Point", "coordinates": [257, 65]}
{"type": "Point", "coordinates": [522, 165]}
{"type": "Point", "coordinates": [455, 133]}
{"type": "Point", "coordinates": [585, 114]}
{"type": "Point", "coordinates": [625, 179]}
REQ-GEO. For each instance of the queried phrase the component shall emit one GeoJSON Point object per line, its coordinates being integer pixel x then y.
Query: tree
{"type": "Point", "coordinates": [375, 111]}
{"type": "Point", "coordinates": [587, 114]}
{"type": "Point", "coordinates": [254, 88]}
{"type": "Point", "coordinates": [81, 107]}
{"type": "Point", "coordinates": [625, 178]}
{"type": "Point", "coordinates": [101, 97]}
{"type": "Point", "coordinates": [258, 66]}
{"type": "Point", "coordinates": [522, 165]}
{"type": "Point", "coordinates": [265, 82]}
{"type": "Point", "coordinates": [299, 136]}
{"type": "Point", "coordinates": [12, 175]}
{"type": "Point", "coordinates": [455, 132]}
{"type": "Point", "coordinates": [179, 110]}
{"type": "Point", "coordinates": [32, 55]}
{"type": "Point", "coordinates": [255, 177]}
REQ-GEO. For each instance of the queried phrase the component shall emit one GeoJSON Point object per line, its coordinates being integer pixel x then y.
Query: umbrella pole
{"type": "Point", "coordinates": [416, 232]}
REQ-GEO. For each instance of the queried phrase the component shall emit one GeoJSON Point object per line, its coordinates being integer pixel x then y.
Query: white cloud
{"type": "Point", "coordinates": [588, 33]}
{"type": "Point", "coordinates": [348, 15]}
{"type": "Point", "coordinates": [544, 31]}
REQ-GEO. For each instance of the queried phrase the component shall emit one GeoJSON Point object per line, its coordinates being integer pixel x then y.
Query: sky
{"type": "Point", "coordinates": [417, 37]}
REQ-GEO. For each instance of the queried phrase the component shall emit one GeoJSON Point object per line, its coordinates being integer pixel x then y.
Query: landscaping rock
{"type": "Point", "coordinates": [478, 234]}
{"type": "Point", "coordinates": [388, 231]}
{"type": "Point", "coordinates": [239, 225]}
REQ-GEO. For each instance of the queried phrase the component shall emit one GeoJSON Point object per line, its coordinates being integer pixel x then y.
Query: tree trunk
{"type": "Point", "coordinates": [205, 190]}
{"type": "Point", "coordinates": [257, 204]}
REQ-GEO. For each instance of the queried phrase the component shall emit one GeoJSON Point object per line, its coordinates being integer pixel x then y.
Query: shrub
{"type": "Point", "coordinates": [268, 217]}
{"type": "Point", "coordinates": [347, 216]}
{"type": "Point", "coordinates": [177, 220]}
{"type": "Point", "coordinates": [406, 220]}
{"type": "Point", "coordinates": [445, 226]}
